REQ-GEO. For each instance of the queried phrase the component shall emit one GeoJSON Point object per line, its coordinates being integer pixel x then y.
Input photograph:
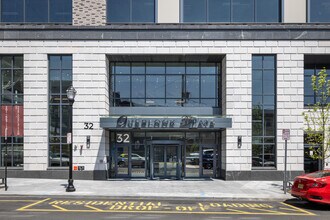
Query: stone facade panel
{"type": "Point", "coordinates": [90, 79]}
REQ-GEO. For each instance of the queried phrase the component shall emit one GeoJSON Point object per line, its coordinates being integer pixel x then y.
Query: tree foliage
{"type": "Point", "coordinates": [317, 119]}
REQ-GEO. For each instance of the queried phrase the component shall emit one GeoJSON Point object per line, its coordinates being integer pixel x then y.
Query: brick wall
{"type": "Point", "coordinates": [89, 12]}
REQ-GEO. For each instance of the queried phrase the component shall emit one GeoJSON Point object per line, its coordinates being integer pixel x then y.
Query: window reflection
{"type": "Point", "coordinates": [36, 10]}
{"type": "Point", "coordinates": [155, 87]}
{"type": "Point", "coordinates": [267, 11]}
{"type": "Point", "coordinates": [60, 11]}
{"type": "Point", "coordinates": [192, 68]}
{"type": "Point", "coordinates": [12, 11]}
{"type": "Point", "coordinates": [164, 84]}
{"type": "Point", "coordinates": [143, 10]}
{"type": "Point", "coordinates": [11, 103]}
{"type": "Point", "coordinates": [208, 86]}
{"type": "Point", "coordinates": [174, 86]}
{"type": "Point", "coordinates": [41, 11]}
{"type": "Point", "coordinates": [310, 97]}
{"type": "Point", "coordinates": [155, 68]}
{"type": "Point", "coordinates": [319, 10]}
{"type": "Point", "coordinates": [195, 11]}
{"type": "Point", "coordinates": [263, 111]}
{"type": "Point", "coordinates": [232, 10]}
{"type": "Point", "coordinates": [219, 11]}
{"type": "Point", "coordinates": [123, 86]}
{"type": "Point", "coordinates": [243, 10]}
{"type": "Point", "coordinates": [138, 85]}
{"type": "Point", "coordinates": [175, 68]}
{"type": "Point", "coordinates": [193, 86]}
{"type": "Point", "coordinates": [130, 11]}
{"type": "Point", "coordinates": [60, 78]}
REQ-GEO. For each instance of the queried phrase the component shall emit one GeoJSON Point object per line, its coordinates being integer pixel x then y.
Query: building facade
{"type": "Point", "coordinates": [165, 88]}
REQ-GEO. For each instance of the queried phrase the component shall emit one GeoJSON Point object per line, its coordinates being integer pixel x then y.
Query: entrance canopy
{"type": "Point", "coordinates": [128, 122]}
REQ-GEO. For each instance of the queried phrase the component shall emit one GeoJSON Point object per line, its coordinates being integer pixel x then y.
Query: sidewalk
{"type": "Point", "coordinates": [217, 189]}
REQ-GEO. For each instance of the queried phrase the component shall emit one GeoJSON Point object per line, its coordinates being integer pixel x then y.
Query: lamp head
{"type": "Point", "coordinates": [71, 93]}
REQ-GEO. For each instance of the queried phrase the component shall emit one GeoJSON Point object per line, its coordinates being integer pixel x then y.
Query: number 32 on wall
{"type": "Point", "coordinates": [123, 138]}
{"type": "Point", "coordinates": [88, 125]}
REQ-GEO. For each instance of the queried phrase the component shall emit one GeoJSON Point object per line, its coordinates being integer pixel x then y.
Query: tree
{"type": "Point", "coordinates": [317, 119]}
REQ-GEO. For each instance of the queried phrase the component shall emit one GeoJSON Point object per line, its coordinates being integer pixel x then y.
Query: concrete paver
{"type": "Point", "coordinates": [147, 188]}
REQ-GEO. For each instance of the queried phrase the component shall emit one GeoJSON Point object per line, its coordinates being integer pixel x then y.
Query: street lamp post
{"type": "Point", "coordinates": [6, 160]}
{"type": "Point", "coordinates": [70, 93]}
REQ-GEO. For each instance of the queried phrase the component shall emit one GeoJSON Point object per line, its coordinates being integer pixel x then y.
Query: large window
{"type": "Point", "coordinates": [231, 10]}
{"type": "Point", "coordinates": [127, 11]}
{"type": "Point", "coordinates": [36, 11]}
{"type": "Point", "coordinates": [60, 78]}
{"type": "Point", "coordinates": [165, 84]}
{"type": "Point", "coordinates": [319, 11]}
{"type": "Point", "coordinates": [263, 111]}
{"type": "Point", "coordinates": [310, 97]}
{"type": "Point", "coordinates": [11, 102]}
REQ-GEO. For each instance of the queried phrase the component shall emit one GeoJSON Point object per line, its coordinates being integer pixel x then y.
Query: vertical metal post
{"type": "Point", "coordinates": [70, 187]}
{"type": "Point", "coordinates": [285, 163]}
{"type": "Point", "coordinates": [6, 161]}
{"type": "Point", "coordinates": [151, 161]}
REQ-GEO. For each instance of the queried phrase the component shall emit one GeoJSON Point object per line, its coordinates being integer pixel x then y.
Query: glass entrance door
{"type": "Point", "coordinates": [122, 160]}
{"type": "Point", "coordinates": [165, 162]}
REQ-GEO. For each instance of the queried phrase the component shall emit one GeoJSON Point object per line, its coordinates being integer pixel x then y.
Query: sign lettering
{"type": "Point", "coordinates": [185, 122]}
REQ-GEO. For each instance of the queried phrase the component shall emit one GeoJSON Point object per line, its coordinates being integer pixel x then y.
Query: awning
{"type": "Point", "coordinates": [128, 122]}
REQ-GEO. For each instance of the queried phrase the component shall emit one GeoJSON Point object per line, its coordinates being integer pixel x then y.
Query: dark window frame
{"type": "Point", "coordinates": [217, 85]}
{"type": "Point", "coordinates": [130, 15]}
{"type": "Point", "coordinates": [12, 141]}
{"type": "Point", "coordinates": [265, 139]}
{"type": "Point", "coordinates": [280, 14]}
{"type": "Point", "coordinates": [61, 138]}
{"type": "Point", "coordinates": [314, 68]}
{"type": "Point", "coordinates": [38, 22]}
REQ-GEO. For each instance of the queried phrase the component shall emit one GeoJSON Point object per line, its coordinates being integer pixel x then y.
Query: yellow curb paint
{"type": "Point", "coordinates": [33, 204]}
{"type": "Point", "coordinates": [261, 208]}
{"type": "Point", "coordinates": [269, 211]}
{"type": "Point", "coordinates": [168, 212]}
{"type": "Point", "coordinates": [289, 209]}
{"type": "Point", "coordinates": [18, 200]}
{"type": "Point", "coordinates": [94, 208]}
{"type": "Point", "coordinates": [299, 209]}
{"type": "Point", "coordinates": [238, 211]}
{"type": "Point", "coordinates": [60, 208]}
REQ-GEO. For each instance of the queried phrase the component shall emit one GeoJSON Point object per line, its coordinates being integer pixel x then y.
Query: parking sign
{"type": "Point", "coordinates": [286, 134]}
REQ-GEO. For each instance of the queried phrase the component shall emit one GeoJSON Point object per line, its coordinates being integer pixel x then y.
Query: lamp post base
{"type": "Point", "coordinates": [70, 187]}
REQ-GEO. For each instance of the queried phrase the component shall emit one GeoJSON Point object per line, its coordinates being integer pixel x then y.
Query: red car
{"type": "Point", "coordinates": [314, 187]}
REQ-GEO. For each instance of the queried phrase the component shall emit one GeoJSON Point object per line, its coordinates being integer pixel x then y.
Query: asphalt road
{"type": "Point", "coordinates": [41, 208]}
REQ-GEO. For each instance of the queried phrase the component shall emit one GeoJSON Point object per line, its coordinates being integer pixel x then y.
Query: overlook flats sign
{"type": "Point", "coordinates": [162, 122]}
{"type": "Point", "coordinates": [185, 122]}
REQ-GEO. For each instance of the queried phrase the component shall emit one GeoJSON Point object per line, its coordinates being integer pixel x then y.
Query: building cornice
{"type": "Point", "coordinates": [166, 32]}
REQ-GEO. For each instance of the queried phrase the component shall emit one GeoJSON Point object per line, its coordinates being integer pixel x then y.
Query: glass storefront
{"type": "Point", "coordinates": [164, 155]}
